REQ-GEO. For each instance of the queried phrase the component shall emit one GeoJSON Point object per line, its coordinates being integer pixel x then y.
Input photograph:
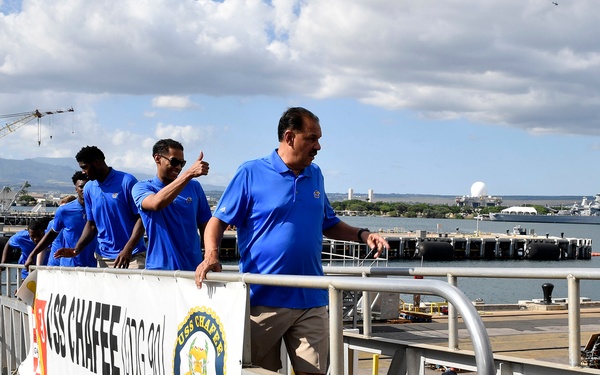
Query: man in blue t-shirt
{"type": "Point", "coordinates": [67, 227]}
{"type": "Point", "coordinates": [111, 214]}
{"type": "Point", "coordinates": [279, 206]}
{"type": "Point", "coordinates": [25, 240]}
{"type": "Point", "coordinates": [46, 258]}
{"type": "Point", "coordinates": [173, 207]}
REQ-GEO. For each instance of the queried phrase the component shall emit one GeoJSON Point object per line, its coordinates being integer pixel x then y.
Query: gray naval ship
{"type": "Point", "coordinates": [586, 212]}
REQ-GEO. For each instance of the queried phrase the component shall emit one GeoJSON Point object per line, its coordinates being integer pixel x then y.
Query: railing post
{"type": "Point", "coordinates": [574, 321]}
{"type": "Point", "coordinates": [336, 335]}
{"type": "Point", "coordinates": [452, 319]}
{"type": "Point", "coordinates": [366, 312]}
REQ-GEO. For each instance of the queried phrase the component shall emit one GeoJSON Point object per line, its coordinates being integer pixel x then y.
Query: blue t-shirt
{"type": "Point", "coordinates": [173, 241]}
{"type": "Point", "coordinates": [69, 221]}
{"type": "Point", "coordinates": [280, 219]}
{"type": "Point", "coordinates": [22, 241]}
{"type": "Point", "coordinates": [56, 244]}
{"type": "Point", "coordinates": [109, 204]}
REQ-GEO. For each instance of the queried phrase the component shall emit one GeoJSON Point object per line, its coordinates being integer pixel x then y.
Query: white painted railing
{"type": "Point", "coordinates": [335, 285]}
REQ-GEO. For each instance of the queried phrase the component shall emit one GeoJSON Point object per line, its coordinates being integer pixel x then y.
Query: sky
{"type": "Point", "coordinates": [414, 97]}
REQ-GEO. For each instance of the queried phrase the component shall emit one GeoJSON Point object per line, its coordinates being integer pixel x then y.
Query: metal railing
{"type": "Point", "coordinates": [573, 276]}
{"type": "Point", "coordinates": [336, 285]}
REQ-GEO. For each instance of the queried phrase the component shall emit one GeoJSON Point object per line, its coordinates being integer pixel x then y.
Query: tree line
{"type": "Point", "coordinates": [424, 210]}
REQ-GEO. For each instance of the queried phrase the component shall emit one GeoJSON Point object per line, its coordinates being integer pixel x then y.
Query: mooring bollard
{"type": "Point", "coordinates": [547, 289]}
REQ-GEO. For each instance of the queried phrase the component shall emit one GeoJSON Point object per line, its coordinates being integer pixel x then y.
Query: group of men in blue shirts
{"type": "Point", "coordinates": [279, 207]}
{"type": "Point", "coordinates": [104, 226]}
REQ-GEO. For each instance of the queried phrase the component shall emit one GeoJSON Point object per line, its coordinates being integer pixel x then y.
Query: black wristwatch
{"type": "Point", "coordinates": [360, 232]}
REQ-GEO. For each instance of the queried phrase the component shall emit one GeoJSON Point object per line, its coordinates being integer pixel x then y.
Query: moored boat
{"type": "Point", "coordinates": [584, 213]}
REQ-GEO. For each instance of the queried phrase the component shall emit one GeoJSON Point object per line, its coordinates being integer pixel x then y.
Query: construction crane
{"type": "Point", "coordinates": [24, 118]}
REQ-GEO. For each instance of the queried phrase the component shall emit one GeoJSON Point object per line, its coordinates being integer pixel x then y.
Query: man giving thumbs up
{"type": "Point", "coordinates": [173, 208]}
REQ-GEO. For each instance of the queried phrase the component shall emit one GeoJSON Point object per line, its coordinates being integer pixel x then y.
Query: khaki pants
{"type": "Point", "coordinates": [138, 261]}
{"type": "Point", "coordinates": [305, 332]}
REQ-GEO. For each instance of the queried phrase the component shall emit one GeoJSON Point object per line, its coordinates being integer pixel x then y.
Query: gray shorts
{"type": "Point", "coordinates": [304, 331]}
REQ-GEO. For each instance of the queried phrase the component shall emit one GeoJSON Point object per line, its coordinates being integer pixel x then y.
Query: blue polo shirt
{"type": "Point", "coordinates": [22, 241]}
{"type": "Point", "coordinates": [109, 204]}
{"type": "Point", "coordinates": [69, 221]}
{"type": "Point", "coordinates": [173, 240]}
{"type": "Point", "coordinates": [280, 218]}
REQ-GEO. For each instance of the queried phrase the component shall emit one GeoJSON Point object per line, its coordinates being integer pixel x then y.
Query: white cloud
{"type": "Point", "coordinates": [173, 102]}
{"type": "Point", "coordinates": [187, 133]}
{"type": "Point", "coordinates": [455, 57]}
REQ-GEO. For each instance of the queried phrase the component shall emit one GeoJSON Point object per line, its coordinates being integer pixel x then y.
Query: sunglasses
{"type": "Point", "coordinates": [174, 161]}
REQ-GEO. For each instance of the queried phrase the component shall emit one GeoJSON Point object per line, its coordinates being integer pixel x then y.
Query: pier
{"type": "Point", "coordinates": [450, 246]}
{"type": "Point", "coordinates": [418, 244]}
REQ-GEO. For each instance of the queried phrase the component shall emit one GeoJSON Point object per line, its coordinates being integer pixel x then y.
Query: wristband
{"type": "Point", "coordinates": [360, 232]}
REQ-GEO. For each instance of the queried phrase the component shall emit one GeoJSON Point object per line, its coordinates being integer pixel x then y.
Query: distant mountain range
{"type": "Point", "coordinates": [52, 174]}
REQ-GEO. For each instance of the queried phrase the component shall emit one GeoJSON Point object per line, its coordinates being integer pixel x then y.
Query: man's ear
{"type": "Point", "coordinates": [289, 136]}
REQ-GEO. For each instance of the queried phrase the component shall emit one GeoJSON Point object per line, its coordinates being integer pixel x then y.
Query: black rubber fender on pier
{"type": "Point", "coordinates": [434, 251]}
{"type": "Point", "coordinates": [542, 251]}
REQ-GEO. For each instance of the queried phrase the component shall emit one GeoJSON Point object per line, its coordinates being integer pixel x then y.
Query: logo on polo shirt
{"type": "Point", "coordinates": [317, 194]}
{"type": "Point", "coordinates": [188, 200]}
{"type": "Point", "coordinates": [115, 195]}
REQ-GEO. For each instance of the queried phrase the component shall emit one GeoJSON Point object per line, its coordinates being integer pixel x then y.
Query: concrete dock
{"type": "Point", "coordinates": [540, 335]}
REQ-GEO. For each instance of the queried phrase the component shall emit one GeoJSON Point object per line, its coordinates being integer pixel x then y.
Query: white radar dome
{"type": "Point", "coordinates": [478, 189]}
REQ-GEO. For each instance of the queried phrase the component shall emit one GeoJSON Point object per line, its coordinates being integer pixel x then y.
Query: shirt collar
{"type": "Point", "coordinates": [282, 168]}
{"type": "Point", "coordinates": [156, 181]}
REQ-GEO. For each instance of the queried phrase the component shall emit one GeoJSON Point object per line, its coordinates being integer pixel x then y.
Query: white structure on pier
{"type": "Point", "coordinates": [478, 198]}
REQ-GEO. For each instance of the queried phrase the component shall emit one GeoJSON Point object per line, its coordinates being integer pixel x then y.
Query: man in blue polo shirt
{"type": "Point", "coordinates": [25, 240]}
{"type": "Point", "coordinates": [111, 214]}
{"type": "Point", "coordinates": [68, 224]}
{"type": "Point", "coordinates": [279, 206]}
{"type": "Point", "coordinates": [173, 208]}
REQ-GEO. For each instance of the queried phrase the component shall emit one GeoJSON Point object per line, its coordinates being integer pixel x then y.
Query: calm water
{"type": "Point", "coordinates": [495, 290]}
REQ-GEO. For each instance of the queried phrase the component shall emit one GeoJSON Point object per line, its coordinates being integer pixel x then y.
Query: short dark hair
{"type": "Point", "coordinates": [89, 154]}
{"type": "Point", "coordinates": [39, 224]}
{"type": "Point", "coordinates": [293, 119]}
{"type": "Point", "coordinates": [164, 145]}
{"type": "Point", "coordinates": [79, 175]}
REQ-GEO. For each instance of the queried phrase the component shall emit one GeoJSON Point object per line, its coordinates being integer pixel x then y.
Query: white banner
{"type": "Point", "coordinates": [121, 324]}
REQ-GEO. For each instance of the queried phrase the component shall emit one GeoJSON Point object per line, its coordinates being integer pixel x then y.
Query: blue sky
{"type": "Point", "coordinates": [419, 97]}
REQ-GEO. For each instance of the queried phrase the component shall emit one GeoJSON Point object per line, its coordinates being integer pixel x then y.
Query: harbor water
{"type": "Point", "coordinates": [494, 291]}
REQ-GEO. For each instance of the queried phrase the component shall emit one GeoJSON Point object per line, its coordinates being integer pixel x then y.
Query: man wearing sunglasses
{"type": "Point", "coordinates": [173, 208]}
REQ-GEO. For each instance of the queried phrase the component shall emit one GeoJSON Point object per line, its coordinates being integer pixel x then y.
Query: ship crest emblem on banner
{"type": "Point", "coordinates": [200, 347]}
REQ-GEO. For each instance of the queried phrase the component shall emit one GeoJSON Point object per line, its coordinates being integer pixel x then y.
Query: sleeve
{"type": "Point", "coordinates": [87, 198]}
{"type": "Point", "coordinates": [14, 240]}
{"type": "Point", "coordinates": [330, 219]}
{"type": "Point", "coordinates": [57, 224]}
{"type": "Point", "coordinates": [139, 192]}
{"type": "Point", "coordinates": [234, 202]}
{"type": "Point", "coordinates": [128, 184]}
